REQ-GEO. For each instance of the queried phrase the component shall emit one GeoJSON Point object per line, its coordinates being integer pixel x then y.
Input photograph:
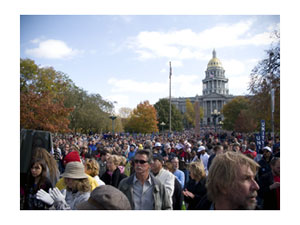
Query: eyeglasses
{"type": "Point", "coordinates": [140, 161]}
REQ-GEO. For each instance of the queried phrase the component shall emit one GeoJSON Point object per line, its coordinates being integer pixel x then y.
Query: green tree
{"type": "Point", "coordinates": [163, 115]}
{"type": "Point", "coordinates": [143, 119]}
{"type": "Point", "coordinates": [232, 110]}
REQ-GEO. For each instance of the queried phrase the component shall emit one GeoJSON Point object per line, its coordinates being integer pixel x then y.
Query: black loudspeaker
{"type": "Point", "coordinates": [31, 139]}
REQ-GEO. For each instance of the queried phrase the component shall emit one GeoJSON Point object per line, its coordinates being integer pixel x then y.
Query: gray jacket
{"type": "Point", "coordinates": [160, 195]}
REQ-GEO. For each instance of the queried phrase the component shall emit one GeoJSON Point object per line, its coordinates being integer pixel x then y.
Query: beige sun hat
{"type": "Point", "coordinates": [74, 170]}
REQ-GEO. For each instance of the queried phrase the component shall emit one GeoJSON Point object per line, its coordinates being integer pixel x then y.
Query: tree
{"type": "Point", "coordinates": [245, 123]}
{"type": "Point", "coordinates": [39, 112]}
{"type": "Point", "coordinates": [124, 114]}
{"type": "Point", "coordinates": [163, 115]}
{"type": "Point", "coordinates": [142, 119]}
{"type": "Point", "coordinates": [42, 98]}
{"type": "Point", "coordinates": [265, 76]}
{"type": "Point", "coordinates": [232, 110]}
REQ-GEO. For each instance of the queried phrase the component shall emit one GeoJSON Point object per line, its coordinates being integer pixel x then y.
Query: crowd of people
{"type": "Point", "coordinates": [154, 172]}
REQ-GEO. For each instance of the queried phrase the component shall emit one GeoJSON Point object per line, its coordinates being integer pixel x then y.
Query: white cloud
{"type": "Point", "coordinates": [187, 44]}
{"type": "Point", "coordinates": [233, 67]}
{"type": "Point", "coordinates": [52, 49]}
{"type": "Point", "coordinates": [132, 86]}
{"type": "Point", "coordinates": [239, 85]}
{"type": "Point", "coordinates": [175, 63]}
{"type": "Point", "coordinates": [186, 85]}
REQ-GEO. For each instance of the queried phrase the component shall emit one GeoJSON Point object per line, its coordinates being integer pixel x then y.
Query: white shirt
{"type": "Point", "coordinates": [204, 158]}
{"type": "Point", "coordinates": [100, 182]}
{"type": "Point", "coordinates": [168, 180]}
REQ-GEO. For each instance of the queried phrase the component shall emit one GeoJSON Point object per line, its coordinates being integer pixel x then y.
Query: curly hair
{"type": "Point", "coordinates": [92, 167]}
{"type": "Point", "coordinates": [114, 159]}
{"type": "Point", "coordinates": [82, 185]}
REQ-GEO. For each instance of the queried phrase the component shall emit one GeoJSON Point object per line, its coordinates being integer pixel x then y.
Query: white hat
{"type": "Point", "coordinates": [201, 148]}
{"type": "Point", "coordinates": [267, 148]}
{"type": "Point", "coordinates": [157, 144]}
{"type": "Point", "coordinates": [74, 170]}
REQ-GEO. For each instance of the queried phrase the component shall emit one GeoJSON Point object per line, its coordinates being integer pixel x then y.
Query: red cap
{"type": "Point", "coordinates": [72, 157]}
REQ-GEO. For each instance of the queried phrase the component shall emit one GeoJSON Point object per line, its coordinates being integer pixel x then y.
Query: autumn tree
{"type": "Point", "coordinates": [189, 115]}
{"type": "Point", "coordinates": [42, 98]}
{"type": "Point", "coordinates": [163, 115]}
{"type": "Point", "coordinates": [142, 119]}
{"type": "Point", "coordinates": [264, 77]}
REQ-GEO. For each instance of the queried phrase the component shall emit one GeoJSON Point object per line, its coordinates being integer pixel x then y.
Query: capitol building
{"type": "Point", "coordinates": [215, 92]}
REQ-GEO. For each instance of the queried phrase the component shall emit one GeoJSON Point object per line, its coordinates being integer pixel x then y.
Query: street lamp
{"type": "Point", "coordinates": [221, 124]}
{"type": "Point", "coordinates": [112, 117]}
{"type": "Point", "coordinates": [215, 114]}
{"type": "Point", "coordinates": [162, 125]}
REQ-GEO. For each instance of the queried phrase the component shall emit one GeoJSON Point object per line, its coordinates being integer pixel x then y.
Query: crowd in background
{"type": "Point", "coordinates": [81, 166]}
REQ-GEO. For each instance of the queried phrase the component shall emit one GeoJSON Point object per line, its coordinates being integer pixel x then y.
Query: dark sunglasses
{"type": "Point", "coordinates": [140, 161]}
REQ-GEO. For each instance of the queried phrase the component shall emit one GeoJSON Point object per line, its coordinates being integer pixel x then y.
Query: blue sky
{"type": "Point", "coordinates": [126, 58]}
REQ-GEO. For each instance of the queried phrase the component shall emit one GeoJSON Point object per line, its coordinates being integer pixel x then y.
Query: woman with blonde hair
{"type": "Point", "coordinates": [195, 188]}
{"type": "Point", "coordinates": [78, 189]}
{"type": "Point", "coordinates": [113, 175]}
{"type": "Point", "coordinates": [51, 165]}
{"type": "Point", "coordinates": [91, 167]}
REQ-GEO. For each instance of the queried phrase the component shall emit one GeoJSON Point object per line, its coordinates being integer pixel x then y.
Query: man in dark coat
{"type": "Point", "coordinates": [270, 186]}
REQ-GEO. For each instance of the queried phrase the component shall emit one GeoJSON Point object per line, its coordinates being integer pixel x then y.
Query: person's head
{"type": "Point", "coordinates": [91, 167]}
{"type": "Point", "coordinates": [157, 163]}
{"type": "Point", "coordinates": [267, 152]}
{"type": "Point", "coordinates": [72, 157]}
{"type": "Point", "coordinates": [175, 163]}
{"type": "Point", "coordinates": [104, 154]}
{"type": "Point", "coordinates": [38, 171]}
{"type": "Point", "coordinates": [84, 149]}
{"type": "Point", "coordinates": [75, 177]}
{"type": "Point", "coordinates": [112, 163]}
{"type": "Point", "coordinates": [197, 171]}
{"type": "Point", "coordinates": [275, 166]}
{"type": "Point", "coordinates": [42, 153]}
{"type": "Point", "coordinates": [105, 197]}
{"type": "Point", "coordinates": [218, 149]}
{"type": "Point", "coordinates": [132, 148]}
{"type": "Point", "coordinates": [201, 150]}
{"type": "Point", "coordinates": [148, 144]}
{"type": "Point", "coordinates": [167, 148]}
{"type": "Point", "coordinates": [168, 166]}
{"type": "Point", "coordinates": [231, 181]}
{"type": "Point", "coordinates": [142, 160]}
{"type": "Point", "coordinates": [236, 147]}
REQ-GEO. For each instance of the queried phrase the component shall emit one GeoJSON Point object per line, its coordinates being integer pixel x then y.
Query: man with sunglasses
{"type": "Point", "coordinates": [143, 190]}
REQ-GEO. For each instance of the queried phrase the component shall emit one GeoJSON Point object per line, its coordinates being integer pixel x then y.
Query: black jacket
{"type": "Point", "coordinates": [177, 197]}
{"type": "Point", "coordinates": [199, 190]}
{"type": "Point", "coordinates": [113, 180]}
{"type": "Point", "coordinates": [268, 196]}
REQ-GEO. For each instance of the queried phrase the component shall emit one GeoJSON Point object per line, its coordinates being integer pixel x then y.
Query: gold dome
{"type": "Point", "coordinates": [214, 62]}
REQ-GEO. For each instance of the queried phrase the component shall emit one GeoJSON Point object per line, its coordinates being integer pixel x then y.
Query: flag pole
{"type": "Point", "coordinates": [170, 126]}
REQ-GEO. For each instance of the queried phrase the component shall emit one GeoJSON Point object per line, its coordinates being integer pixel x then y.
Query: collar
{"type": "Point", "coordinates": [136, 180]}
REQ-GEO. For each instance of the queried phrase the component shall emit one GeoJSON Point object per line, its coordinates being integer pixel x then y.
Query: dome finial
{"type": "Point", "coordinates": [214, 53]}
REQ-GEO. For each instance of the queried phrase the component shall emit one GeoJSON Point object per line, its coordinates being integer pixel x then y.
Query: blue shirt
{"type": "Point", "coordinates": [131, 155]}
{"type": "Point", "coordinates": [180, 177]}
